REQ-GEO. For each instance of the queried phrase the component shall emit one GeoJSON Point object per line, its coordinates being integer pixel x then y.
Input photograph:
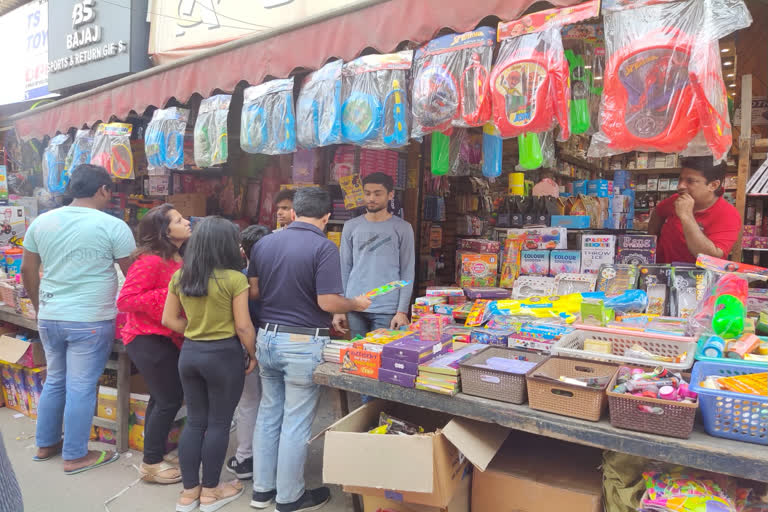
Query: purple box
{"type": "Point", "coordinates": [405, 380]}
{"type": "Point", "coordinates": [399, 366]}
{"type": "Point", "coordinates": [413, 350]}
{"type": "Point", "coordinates": [636, 249]}
{"type": "Point", "coordinates": [491, 293]}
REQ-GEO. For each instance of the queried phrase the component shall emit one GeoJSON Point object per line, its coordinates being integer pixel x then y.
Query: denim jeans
{"type": "Point", "coordinates": [363, 323]}
{"type": "Point", "coordinates": [76, 353]}
{"type": "Point", "coordinates": [288, 404]}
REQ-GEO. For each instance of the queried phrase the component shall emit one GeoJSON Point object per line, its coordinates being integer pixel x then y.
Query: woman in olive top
{"type": "Point", "coordinates": [208, 302]}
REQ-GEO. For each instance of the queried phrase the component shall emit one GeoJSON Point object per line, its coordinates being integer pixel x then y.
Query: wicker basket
{"type": "Point", "coordinates": [572, 345]}
{"type": "Point", "coordinates": [652, 415]}
{"type": "Point", "coordinates": [496, 384]}
{"type": "Point", "coordinates": [8, 294]}
{"type": "Point", "coordinates": [568, 399]}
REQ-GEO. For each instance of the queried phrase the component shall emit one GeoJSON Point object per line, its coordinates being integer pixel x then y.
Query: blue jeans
{"type": "Point", "coordinates": [76, 353]}
{"type": "Point", "coordinates": [361, 324]}
{"type": "Point", "coordinates": [288, 403]}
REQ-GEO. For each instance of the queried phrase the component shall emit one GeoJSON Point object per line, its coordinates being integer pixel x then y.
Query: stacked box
{"type": "Point", "coordinates": [596, 250]}
{"type": "Point", "coordinates": [360, 362]}
{"type": "Point", "coordinates": [564, 262]}
{"type": "Point", "coordinates": [21, 387]}
{"type": "Point", "coordinates": [476, 269]}
{"type": "Point", "coordinates": [636, 249]}
{"type": "Point", "coordinates": [479, 245]}
{"type": "Point", "coordinates": [400, 360]}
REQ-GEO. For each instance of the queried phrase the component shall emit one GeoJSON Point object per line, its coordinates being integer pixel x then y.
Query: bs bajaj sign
{"type": "Point", "coordinates": [95, 40]}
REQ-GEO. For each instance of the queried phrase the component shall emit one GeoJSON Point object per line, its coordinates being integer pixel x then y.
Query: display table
{"type": "Point", "coordinates": [123, 367]}
{"type": "Point", "coordinates": [699, 451]}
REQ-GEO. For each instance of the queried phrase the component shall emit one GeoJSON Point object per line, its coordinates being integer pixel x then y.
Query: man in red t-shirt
{"type": "Point", "coordinates": [696, 220]}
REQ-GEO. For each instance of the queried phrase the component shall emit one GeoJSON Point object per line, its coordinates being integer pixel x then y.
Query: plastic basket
{"type": "Point", "coordinates": [727, 414]}
{"type": "Point", "coordinates": [496, 384]}
{"type": "Point", "coordinates": [739, 362]}
{"type": "Point", "coordinates": [8, 295]}
{"type": "Point", "coordinates": [652, 415]}
{"type": "Point", "coordinates": [568, 399]}
{"type": "Point", "coordinates": [572, 345]}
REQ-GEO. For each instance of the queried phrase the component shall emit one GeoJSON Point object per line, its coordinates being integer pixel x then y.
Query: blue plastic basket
{"type": "Point", "coordinates": [738, 362]}
{"type": "Point", "coordinates": [727, 414]}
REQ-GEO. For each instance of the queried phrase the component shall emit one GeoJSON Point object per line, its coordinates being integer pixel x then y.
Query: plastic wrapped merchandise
{"type": "Point", "coordinates": [663, 80]}
{"type": "Point", "coordinates": [268, 124]}
{"type": "Point", "coordinates": [318, 111]}
{"type": "Point", "coordinates": [112, 149]}
{"type": "Point", "coordinates": [211, 137]}
{"type": "Point", "coordinates": [451, 82]}
{"type": "Point", "coordinates": [585, 51]}
{"type": "Point", "coordinates": [164, 138]}
{"type": "Point", "coordinates": [54, 163]}
{"type": "Point", "coordinates": [374, 111]}
{"type": "Point", "coordinates": [79, 151]}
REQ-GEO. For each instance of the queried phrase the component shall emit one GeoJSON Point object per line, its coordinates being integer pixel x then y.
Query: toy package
{"type": "Point", "coordinates": [585, 52]}
{"type": "Point", "coordinates": [79, 152]}
{"type": "Point", "coordinates": [564, 262]}
{"type": "Point", "coordinates": [476, 269]}
{"type": "Point", "coordinates": [596, 250]}
{"type": "Point", "coordinates": [268, 124]}
{"type": "Point", "coordinates": [690, 285]}
{"type": "Point", "coordinates": [534, 263]}
{"type": "Point", "coordinates": [613, 280]}
{"type": "Point", "coordinates": [687, 490]}
{"type": "Point", "coordinates": [112, 149]}
{"type": "Point", "coordinates": [451, 82]}
{"type": "Point", "coordinates": [54, 164]}
{"type": "Point", "coordinates": [636, 249]}
{"type": "Point", "coordinates": [541, 238]}
{"type": "Point", "coordinates": [663, 79]}
{"type": "Point", "coordinates": [211, 136]}
{"type": "Point", "coordinates": [164, 138]}
{"type": "Point", "coordinates": [478, 245]}
{"type": "Point", "coordinates": [510, 268]}
{"type": "Point", "coordinates": [318, 110]}
{"type": "Point", "coordinates": [533, 286]}
{"type": "Point", "coordinates": [567, 283]}
{"type": "Point", "coordinates": [374, 110]}
{"type": "Point", "coordinates": [656, 281]}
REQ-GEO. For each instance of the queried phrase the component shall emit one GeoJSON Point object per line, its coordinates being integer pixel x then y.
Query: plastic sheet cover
{"type": "Point", "coordinates": [112, 149]}
{"type": "Point", "coordinates": [211, 138]}
{"type": "Point", "coordinates": [268, 122]}
{"type": "Point", "coordinates": [54, 163]}
{"type": "Point", "coordinates": [164, 139]}
{"type": "Point", "coordinates": [318, 111]}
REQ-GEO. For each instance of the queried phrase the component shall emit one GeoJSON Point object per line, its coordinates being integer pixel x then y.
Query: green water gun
{"type": "Point", "coordinates": [581, 80]}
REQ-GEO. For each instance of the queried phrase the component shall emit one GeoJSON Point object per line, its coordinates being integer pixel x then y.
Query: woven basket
{"type": "Point", "coordinates": [496, 384]}
{"type": "Point", "coordinates": [8, 295]}
{"type": "Point", "coordinates": [652, 415]}
{"type": "Point", "coordinates": [569, 399]}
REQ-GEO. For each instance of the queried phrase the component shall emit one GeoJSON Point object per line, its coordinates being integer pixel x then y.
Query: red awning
{"type": "Point", "coordinates": [381, 26]}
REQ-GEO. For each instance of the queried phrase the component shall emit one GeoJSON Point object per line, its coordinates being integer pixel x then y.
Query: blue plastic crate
{"type": "Point", "coordinates": [727, 414]}
{"type": "Point", "coordinates": [738, 362]}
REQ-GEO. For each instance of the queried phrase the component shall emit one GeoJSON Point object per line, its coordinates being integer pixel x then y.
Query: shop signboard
{"type": "Point", "coordinates": [183, 27]}
{"type": "Point", "coordinates": [759, 112]}
{"type": "Point", "coordinates": [25, 38]}
{"type": "Point", "coordinates": [95, 40]}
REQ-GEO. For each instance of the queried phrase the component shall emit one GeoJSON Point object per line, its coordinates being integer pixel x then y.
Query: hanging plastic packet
{"type": "Point", "coordinates": [374, 111]}
{"type": "Point", "coordinates": [585, 66]}
{"type": "Point", "coordinates": [493, 149]}
{"type": "Point", "coordinates": [112, 149]}
{"type": "Point", "coordinates": [663, 79]}
{"type": "Point", "coordinates": [54, 163]}
{"type": "Point", "coordinates": [164, 138]}
{"type": "Point", "coordinates": [211, 137]}
{"type": "Point", "coordinates": [466, 152]}
{"type": "Point", "coordinates": [268, 124]}
{"type": "Point", "coordinates": [79, 151]}
{"type": "Point", "coordinates": [318, 111]}
{"type": "Point", "coordinates": [530, 81]}
{"type": "Point", "coordinates": [451, 82]}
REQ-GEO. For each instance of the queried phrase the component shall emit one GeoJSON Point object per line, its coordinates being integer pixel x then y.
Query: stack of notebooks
{"type": "Point", "coordinates": [332, 350]}
{"type": "Point", "coordinates": [441, 375]}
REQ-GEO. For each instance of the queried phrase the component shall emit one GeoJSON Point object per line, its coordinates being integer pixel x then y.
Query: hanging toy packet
{"type": "Point", "coordinates": [585, 51]}
{"type": "Point", "coordinates": [54, 163]}
{"type": "Point", "coordinates": [663, 84]}
{"type": "Point", "coordinates": [79, 152]}
{"type": "Point", "coordinates": [211, 137]}
{"type": "Point", "coordinates": [164, 139]}
{"type": "Point", "coordinates": [268, 124]}
{"type": "Point", "coordinates": [451, 82]}
{"type": "Point", "coordinates": [112, 149]}
{"type": "Point", "coordinates": [374, 110]}
{"type": "Point", "coordinates": [318, 111]}
{"type": "Point", "coordinates": [530, 81]}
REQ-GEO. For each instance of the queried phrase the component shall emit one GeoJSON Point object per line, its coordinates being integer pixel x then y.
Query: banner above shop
{"type": "Point", "coordinates": [25, 37]}
{"type": "Point", "coordinates": [93, 40]}
{"type": "Point", "coordinates": [180, 28]}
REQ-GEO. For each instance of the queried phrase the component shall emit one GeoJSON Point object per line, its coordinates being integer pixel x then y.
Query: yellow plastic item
{"type": "Point", "coordinates": [599, 346]}
{"type": "Point", "coordinates": [544, 307]}
{"type": "Point", "coordinates": [751, 384]}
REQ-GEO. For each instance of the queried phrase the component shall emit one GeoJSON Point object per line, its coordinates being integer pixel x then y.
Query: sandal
{"type": "Point", "coordinates": [102, 460]}
{"type": "Point", "coordinates": [189, 499]}
{"type": "Point", "coordinates": [172, 458]}
{"type": "Point", "coordinates": [160, 473]}
{"type": "Point", "coordinates": [226, 492]}
{"type": "Point", "coordinates": [52, 451]}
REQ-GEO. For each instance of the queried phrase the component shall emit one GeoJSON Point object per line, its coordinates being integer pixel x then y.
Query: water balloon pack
{"type": "Point", "coordinates": [318, 110]}
{"type": "Point", "coordinates": [211, 136]}
{"type": "Point", "coordinates": [164, 138]}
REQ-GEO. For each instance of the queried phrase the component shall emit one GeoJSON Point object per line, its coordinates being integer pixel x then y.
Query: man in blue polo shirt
{"type": "Point", "coordinates": [297, 275]}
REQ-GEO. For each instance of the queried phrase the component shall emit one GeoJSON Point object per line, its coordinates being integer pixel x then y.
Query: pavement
{"type": "Point", "coordinates": [116, 488]}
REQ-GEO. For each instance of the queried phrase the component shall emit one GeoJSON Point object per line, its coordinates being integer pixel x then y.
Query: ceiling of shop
{"type": "Point", "coordinates": [9, 5]}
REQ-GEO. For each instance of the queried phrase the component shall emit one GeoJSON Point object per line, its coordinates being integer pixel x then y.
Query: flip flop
{"type": "Point", "coordinates": [101, 461]}
{"type": "Point", "coordinates": [53, 454]}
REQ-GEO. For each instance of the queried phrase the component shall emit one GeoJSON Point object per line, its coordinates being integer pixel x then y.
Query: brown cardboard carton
{"type": "Point", "coordinates": [460, 502]}
{"type": "Point", "coordinates": [424, 469]}
{"type": "Point", "coordinates": [189, 205]}
{"type": "Point", "coordinates": [21, 352]}
{"type": "Point", "coordinates": [533, 474]}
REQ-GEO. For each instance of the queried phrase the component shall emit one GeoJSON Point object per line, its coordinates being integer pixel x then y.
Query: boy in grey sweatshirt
{"type": "Point", "coordinates": [377, 248]}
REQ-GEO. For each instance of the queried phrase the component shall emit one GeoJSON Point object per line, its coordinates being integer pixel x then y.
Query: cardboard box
{"type": "Point", "coordinates": [24, 353]}
{"type": "Point", "coordinates": [189, 205]}
{"type": "Point", "coordinates": [424, 469]}
{"type": "Point", "coordinates": [460, 502]}
{"type": "Point", "coordinates": [595, 251]}
{"type": "Point", "coordinates": [476, 269]}
{"type": "Point", "coordinates": [360, 362]}
{"type": "Point", "coordinates": [570, 221]}
{"type": "Point", "coordinates": [533, 474]}
{"type": "Point", "coordinates": [636, 249]}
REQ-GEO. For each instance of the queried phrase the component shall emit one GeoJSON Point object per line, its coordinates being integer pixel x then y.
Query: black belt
{"type": "Point", "coordinates": [287, 329]}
